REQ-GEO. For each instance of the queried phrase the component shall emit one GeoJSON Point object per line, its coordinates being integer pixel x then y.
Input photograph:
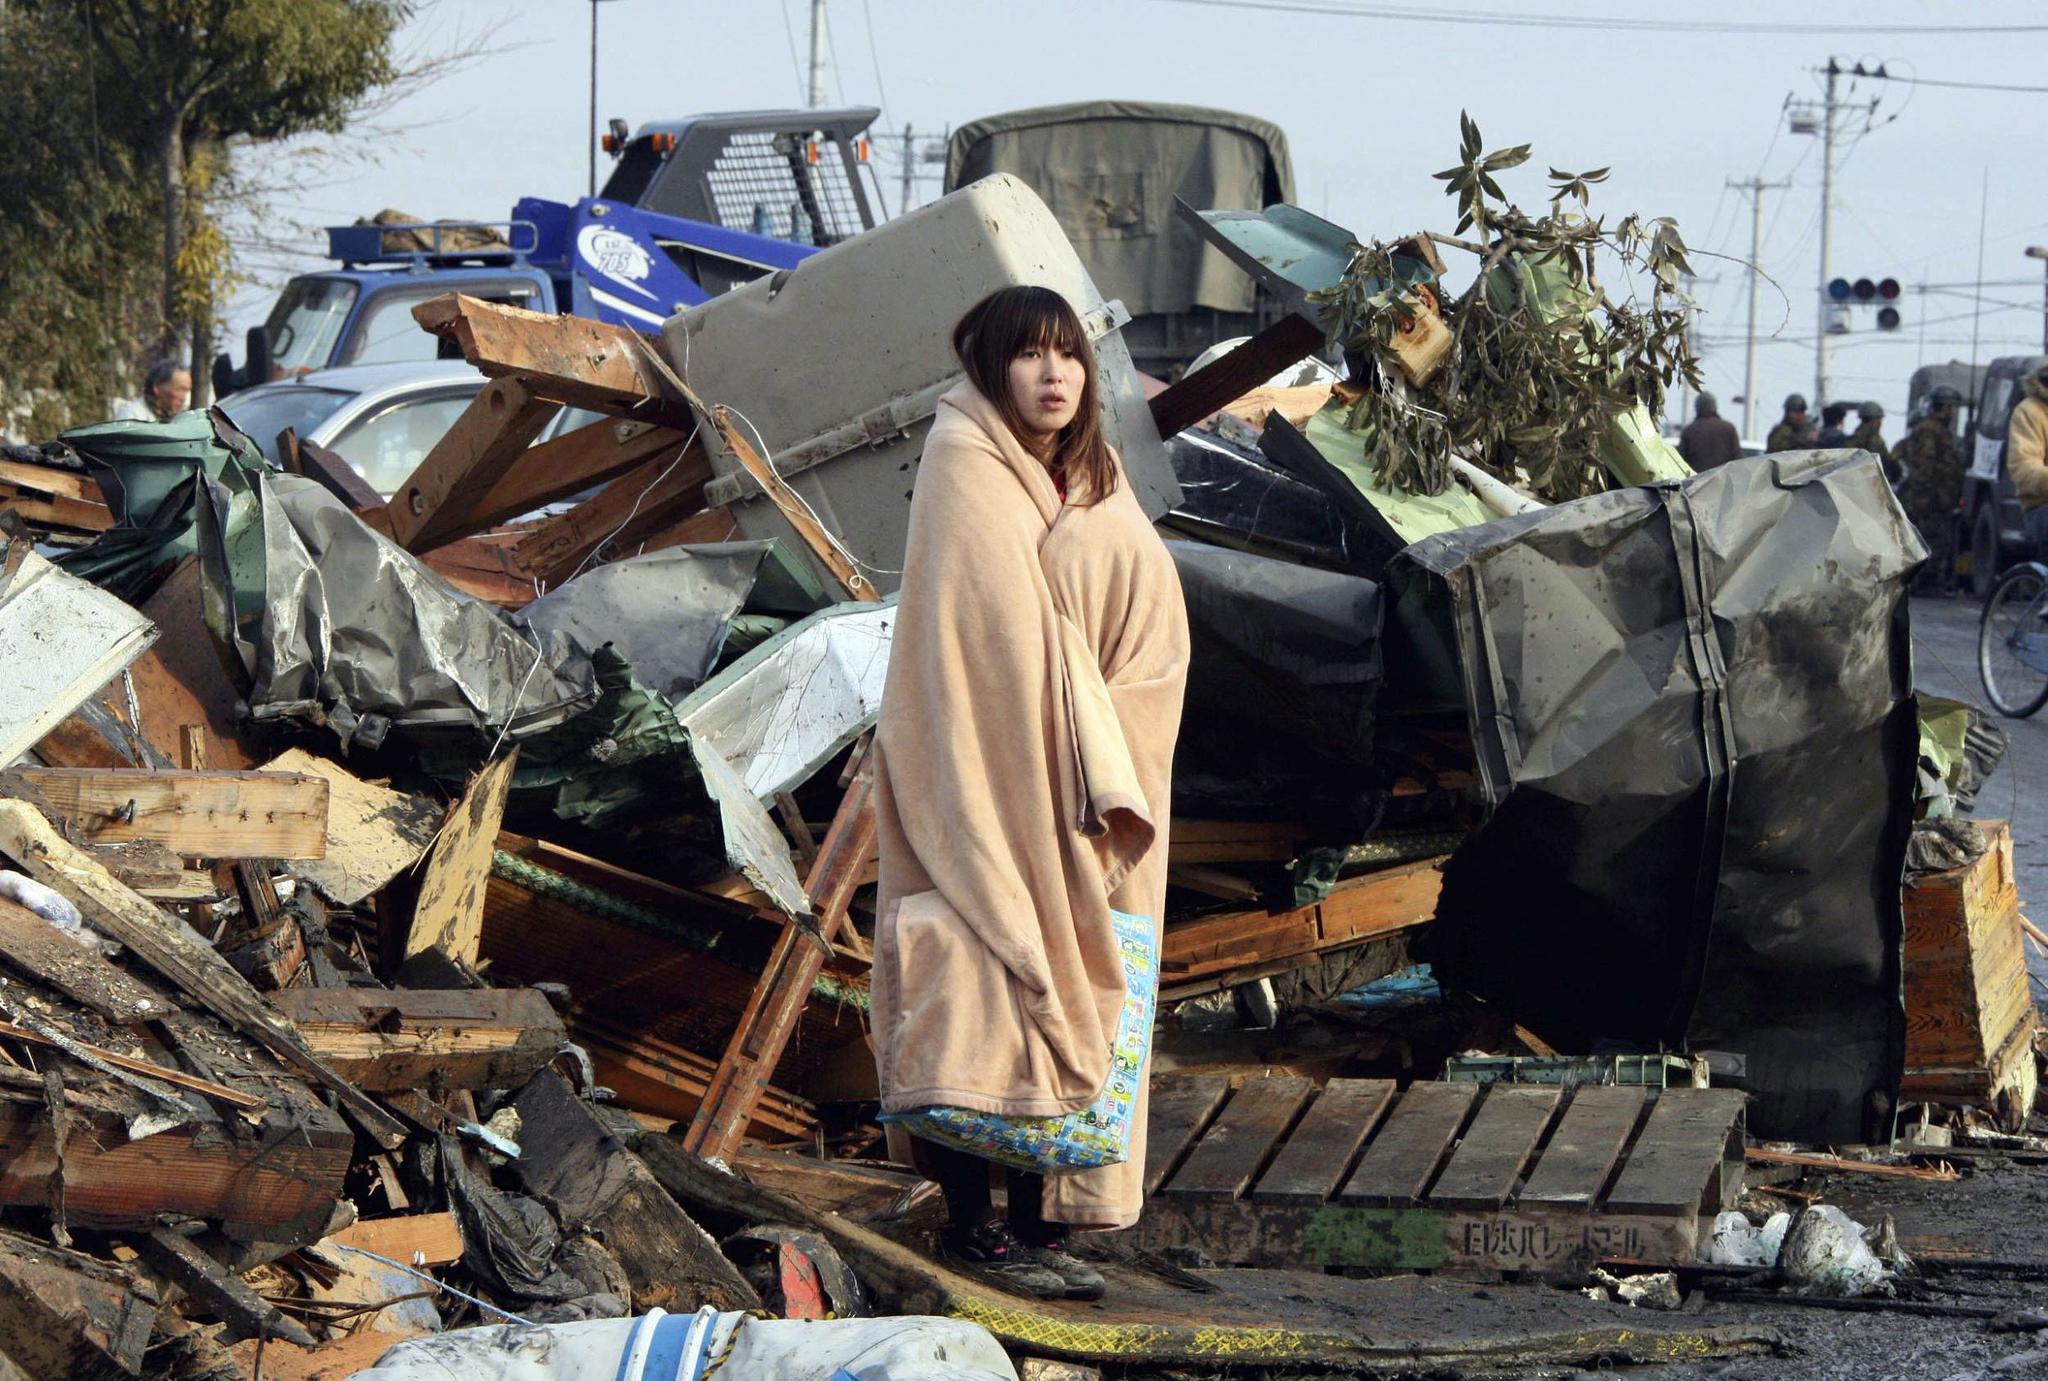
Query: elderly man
{"type": "Point", "coordinates": [166, 392]}
{"type": "Point", "coordinates": [1709, 439]}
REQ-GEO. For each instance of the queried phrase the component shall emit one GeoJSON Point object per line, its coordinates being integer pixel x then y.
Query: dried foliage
{"type": "Point", "coordinates": [1543, 360]}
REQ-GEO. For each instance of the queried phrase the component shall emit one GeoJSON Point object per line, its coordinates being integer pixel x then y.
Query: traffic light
{"type": "Point", "coordinates": [1867, 292]}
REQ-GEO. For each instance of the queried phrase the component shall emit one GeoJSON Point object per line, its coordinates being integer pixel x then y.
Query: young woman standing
{"type": "Point", "coordinates": [1023, 778]}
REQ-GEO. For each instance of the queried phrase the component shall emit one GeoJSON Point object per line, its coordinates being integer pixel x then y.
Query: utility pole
{"type": "Point", "coordinates": [2041, 252]}
{"type": "Point", "coordinates": [1827, 239]}
{"type": "Point", "coordinates": [909, 158]}
{"type": "Point", "coordinates": [817, 53]}
{"type": "Point", "coordinates": [1756, 187]}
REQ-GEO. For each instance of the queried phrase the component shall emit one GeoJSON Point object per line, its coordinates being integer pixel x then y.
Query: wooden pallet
{"type": "Point", "coordinates": [1509, 1177]}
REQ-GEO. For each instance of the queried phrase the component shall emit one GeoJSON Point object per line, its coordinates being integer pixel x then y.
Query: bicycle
{"type": "Point", "coordinates": [2012, 641]}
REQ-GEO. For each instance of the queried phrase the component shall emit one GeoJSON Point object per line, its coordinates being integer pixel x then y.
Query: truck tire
{"type": "Point", "coordinates": [1984, 551]}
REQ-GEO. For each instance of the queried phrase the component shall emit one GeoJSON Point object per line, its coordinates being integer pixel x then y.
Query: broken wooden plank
{"type": "Point", "coordinates": [1220, 950]}
{"type": "Point", "coordinates": [198, 814]}
{"type": "Point", "coordinates": [498, 425]}
{"type": "Point", "coordinates": [568, 1156]}
{"type": "Point", "coordinates": [1832, 1164]}
{"type": "Point", "coordinates": [784, 988]}
{"type": "Point", "coordinates": [183, 680]}
{"type": "Point", "coordinates": [174, 950]}
{"type": "Point", "coordinates": [449, 914]}
{"type": "Point", "coordinates": [1232, 375]}
{"type": "Point", "coordinates": [373, 832]}
{"type": "Point", "coordinates": [49, 479]}
{"type": "Point", "coordinates": [1181, 1108]}
{"type": "Point", "coordinates": [387, 1039]}
{"type": "Point", "coordinates": [1402, 1159]}
{"type": "Point", "coordinates": [147, 1068]}
{"type": "Point", "coordinates": [1585, 1147]}
{"type": "Point", "coordinates": [567, 465]}
{"type": "Point", "coordinates": [572, 360]}
{"type": "Point", "coordinates": [1493, 1150]}
{"type": "Point", "coordinates": [794, 510]}
{"type": "Point", "coordinates": [637, 504]}
{"type": "Point", "coordinates": [279, 1181]}
{"type": "Point", "coordinates": [664, 1080]}
{"type": "Point", "coordinates": [1321, 1151]}
{"type": "Point", "coordinates": [36, 949]}
{"type": "Point", "coordinates": [66, 1314]}
{"type": "Point", "coordinates": [1241, 1140]}
{"type": "Point", "coordinates": [1674, 1166]}
{"type": "Point", "coordinates": [430, 1239]}
{"type": "Point", "coordinates": [209, 1285]}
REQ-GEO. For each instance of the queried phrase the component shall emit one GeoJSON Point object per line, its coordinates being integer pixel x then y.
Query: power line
{"type": "Point", "coordinates": [1883, 75]}
{"type": "Point", "coordinates": [1511, 19]}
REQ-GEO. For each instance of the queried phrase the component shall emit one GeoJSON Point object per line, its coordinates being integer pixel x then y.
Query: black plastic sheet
{"type": "Point", "coordinates": [1692, 707]}
{"type": "Point", "coordinates": [1237, 497]}
{"type": "Point", "coordinates": [1284, 662]}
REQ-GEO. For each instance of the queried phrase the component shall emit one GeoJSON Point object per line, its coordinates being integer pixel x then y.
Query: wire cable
{"type": "Point", "coordinates": [1602, 23]}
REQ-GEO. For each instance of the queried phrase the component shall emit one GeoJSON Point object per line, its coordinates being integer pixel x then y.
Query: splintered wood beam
{"type": "Point", "coordinates": [63, 1313]}
{"type": "Point", "coordinates": [573, 360]}
{"type": "Point", "coordinates": [494, 431]}
{"type": "Point", "coordinates": [197, 814]}
{"type": "Point", "coordinates": [210, 1285]}
{"type": "Point", "coordinates": [449, 915]}
{"type": "Point", "coordinates": [386, 1040]}
{"type": "Point", "coordinates": [1231, 376]}
{"type": "Point", "coordinates": [176, 951]}
{"type": "Point", "coordinates": [778, 999]}
{"type": "Point", "coordinates": [637, 504]}
{"type": "Point", "coordinates": [567, 465]}
{"type": "Point", "coordinates": [793, 510]}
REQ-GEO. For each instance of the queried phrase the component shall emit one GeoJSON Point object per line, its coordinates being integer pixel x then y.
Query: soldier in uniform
{"type": "Point", "coordinates": [1934, 486]}
{"type": "Point", "coordinates": [1869, 436]}
{"type": "Point", "coordinates": [1796, 431]}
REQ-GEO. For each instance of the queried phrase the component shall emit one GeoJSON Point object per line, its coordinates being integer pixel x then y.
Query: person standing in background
{"type": "Point", "coordinates": [1709, 440]}
{"type": "Point", "coordinates": [166, 391]}
{"type": "Point", "coordinates": [1832, 437]}
{"type": "Point", "coordinates": [1869, 436]}
{"type": "Point", "coordinates": [1794, 431]}
{"type": "Point", "coordinates": [1934, 487]}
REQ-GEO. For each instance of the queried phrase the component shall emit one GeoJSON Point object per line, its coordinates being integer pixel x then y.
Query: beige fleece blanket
{"type": "Point", "coordinates": [1023, 780]}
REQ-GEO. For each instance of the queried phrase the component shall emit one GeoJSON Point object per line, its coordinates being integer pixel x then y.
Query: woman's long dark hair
{"type": "Point", "coordinates": [1004, 325]}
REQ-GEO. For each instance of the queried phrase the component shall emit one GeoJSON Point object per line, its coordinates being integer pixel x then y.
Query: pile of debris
{"type": "Point", "coordinates": [423, 913]}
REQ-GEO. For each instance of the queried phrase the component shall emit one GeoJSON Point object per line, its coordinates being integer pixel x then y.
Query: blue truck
{"type": "Point", "coordinates": [692, 207]}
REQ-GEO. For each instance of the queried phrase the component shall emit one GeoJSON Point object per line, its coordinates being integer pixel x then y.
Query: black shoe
{"type": "Point", "coordinates": [992, 1249]}
{"type": "Point", "coordinates": [1082, 1280]}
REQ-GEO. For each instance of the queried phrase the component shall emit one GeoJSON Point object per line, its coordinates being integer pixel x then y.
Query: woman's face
{"type": "Point", "coordinates": [1045, 384]}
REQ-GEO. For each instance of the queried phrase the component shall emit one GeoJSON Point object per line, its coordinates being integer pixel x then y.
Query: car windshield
{"type": "Point", "coordinates": [306, 322]}
{"type": "Point", "coordinates": [265, 411]}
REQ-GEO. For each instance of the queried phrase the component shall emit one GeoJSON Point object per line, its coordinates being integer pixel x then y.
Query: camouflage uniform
{"type": "Point", "coordinates": [1933, 489]}
{"type": "Point", "coordinates": [1869, 436]}
{"type": "Point", "coordinates": [1787, 436]}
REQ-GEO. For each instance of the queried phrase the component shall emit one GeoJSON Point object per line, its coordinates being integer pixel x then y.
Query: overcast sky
{"type": "Point", "coordinates": [1369, 98]}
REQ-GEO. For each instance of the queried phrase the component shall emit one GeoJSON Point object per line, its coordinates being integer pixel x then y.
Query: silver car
{"type": "Point", "coordinates": [380, 418]}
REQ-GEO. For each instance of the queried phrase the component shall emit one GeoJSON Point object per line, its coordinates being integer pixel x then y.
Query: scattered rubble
{"type": "Point", "coordinates": [388, 949]}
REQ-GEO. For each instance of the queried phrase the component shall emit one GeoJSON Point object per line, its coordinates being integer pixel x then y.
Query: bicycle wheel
{"type": "Point", "coordinates": [2012, 634]}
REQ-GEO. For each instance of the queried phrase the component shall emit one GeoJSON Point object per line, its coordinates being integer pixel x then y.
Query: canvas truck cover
{"type": "Point", "coordinates": [1110, 171]}
{"type": "Point", "coordinates": [1693, 711]}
